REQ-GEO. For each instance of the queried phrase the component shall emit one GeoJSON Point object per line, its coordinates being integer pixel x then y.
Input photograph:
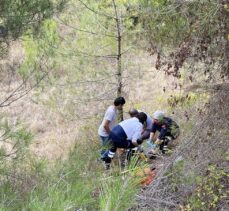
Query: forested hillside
{"type": "Point", "coordinates": [63, 62]}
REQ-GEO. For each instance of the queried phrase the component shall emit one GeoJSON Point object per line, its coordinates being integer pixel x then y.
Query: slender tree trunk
{"type": "Point", "coordinates": [119, 57]}
{"type": "Point", "coordinates": [225, 18]}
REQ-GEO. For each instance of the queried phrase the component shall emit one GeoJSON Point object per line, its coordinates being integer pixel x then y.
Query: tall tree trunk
{"type": "Point", "coordinates": [119, 57]}
{"type": "Point", "coordinates": [225, 36]}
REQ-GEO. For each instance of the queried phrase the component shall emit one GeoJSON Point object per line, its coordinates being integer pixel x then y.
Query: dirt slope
{"type": "Point", "coordinates": [206, 144]}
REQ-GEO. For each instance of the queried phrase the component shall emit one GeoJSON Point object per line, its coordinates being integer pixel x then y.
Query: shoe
{"type": "Point", "coordinates": [167, 139]}
{"type": "Point", "coordinates": [164, 149]}
{"type": "Point", "coordinates": [106, 159]}
{"type": "Point", "coordinates": [107, 166]}
{"type": "Point", "coordinates": [106, 162]}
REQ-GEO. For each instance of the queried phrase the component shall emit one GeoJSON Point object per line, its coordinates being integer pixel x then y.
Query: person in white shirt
{"type": "Point", "coordinates": [109, 122]}
{"type": "Point", "coordinates": [126, 135]}
{"type": "Point", "coordinates": [147, 128]}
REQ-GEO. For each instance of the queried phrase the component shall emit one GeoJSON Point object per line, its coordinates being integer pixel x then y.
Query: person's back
{"type": "Point", "coordinates": [167, 126]}
{"type": "Point", "coordinates": [172, 127]}
{"type": "Point", "coordinates": [149, 122]}
{"type": "Point", "coordinates": [132, 128]}
{"type": "Point", "coordinates": [126, 135]}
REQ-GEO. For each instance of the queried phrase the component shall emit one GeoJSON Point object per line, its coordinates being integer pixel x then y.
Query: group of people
{"type": "Point", "coordinates": [131, 132]}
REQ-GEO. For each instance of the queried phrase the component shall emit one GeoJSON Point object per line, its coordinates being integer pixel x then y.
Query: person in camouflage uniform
{"type": "Point", "coordinates": [168, 130]}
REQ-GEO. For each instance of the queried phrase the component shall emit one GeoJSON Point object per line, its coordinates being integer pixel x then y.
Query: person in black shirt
{"type": "Point", "coordinates": [168, 130]}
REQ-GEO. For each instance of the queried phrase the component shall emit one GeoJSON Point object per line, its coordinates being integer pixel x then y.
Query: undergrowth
{"type": "Point", "coordinates": [210, 190]}
{"type": "Point", "coordinates": [77, 183]}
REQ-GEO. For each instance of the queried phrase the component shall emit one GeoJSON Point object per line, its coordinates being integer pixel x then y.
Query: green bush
{"type": "Point", "coordinates": [210, 190]}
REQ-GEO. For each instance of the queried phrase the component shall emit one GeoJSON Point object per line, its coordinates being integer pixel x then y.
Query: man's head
{"type": "Point", "coordinates": [142, 117]}
{"type": "Point", "coordinates": [158, 116]}
{"type": "Point", "coordinates": [133, 112]}
{"type": "Point", "coordinates": [119, 102]}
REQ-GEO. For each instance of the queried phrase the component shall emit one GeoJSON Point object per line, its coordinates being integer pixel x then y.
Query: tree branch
{"type": "Point", "coordinates": [96, 12]}
{"type": "Point", "coordinates": [85, 31]}
{"type": "Point", "coordinates": [10, 99]}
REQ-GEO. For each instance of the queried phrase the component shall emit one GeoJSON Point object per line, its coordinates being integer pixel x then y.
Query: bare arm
{"type": "Point", "coordinates": [106, 126]}
{"type": "Point", "coordinates": [152, 136]}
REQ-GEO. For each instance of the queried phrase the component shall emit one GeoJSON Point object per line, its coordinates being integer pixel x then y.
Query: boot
{"type": "Point", "coordinates": [164, 149]}
{"type": "Point", "coordinates": [107, 162]}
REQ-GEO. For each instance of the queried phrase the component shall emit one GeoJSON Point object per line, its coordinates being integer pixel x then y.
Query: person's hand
{"type": "Point", "coordinates": [158, 141]}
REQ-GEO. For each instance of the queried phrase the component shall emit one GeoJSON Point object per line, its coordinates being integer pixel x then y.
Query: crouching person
{"type": "Point", "coordinates": [168, 130]}
{"type": "Point", "coordinates": [145, 133]}
{"type": "Point", "coordinates": [147, 127]}
{"type": "Point", "coordinates": [126, 135]}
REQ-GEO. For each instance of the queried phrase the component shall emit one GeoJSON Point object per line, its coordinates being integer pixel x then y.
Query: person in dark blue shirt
{"type": "Point", "coordinates": [168, 130]}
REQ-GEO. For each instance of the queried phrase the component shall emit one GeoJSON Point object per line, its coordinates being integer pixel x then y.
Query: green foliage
{"type": "Point", "coordinates": [77, 183]}
{"type": "Point", "coordinates": [171, 21]}
{"type": "Point", "coordinates": [15, 140]}
{"type": "Point", "coordinates": [7, 195]}
{"type": "Point", "coordinates": [210, 190]}
{"type": "Point", "coordinates": [38, 49]}
{"type": "Point", "coordinates": [227, 156]}
{"type": "Point", "coordinates": [19, 179]}
{"type": "Point", "coordinates": [119, 188]}
{"type": "Point", "coordinates": [186, 100]}
{"type": "Point", "coordinates": [17, 16]}
{"type": "Point", "coordinates": [17, 137]}
{"type": "Point", "coordinates": [118, 193]}
{"type": "Point", "coordinates": [178, 176]}
{"type": "Point", "coordinates": [41, 187]}
{"type": "Point", "coordinates": [30, 184]}
{"type": "Point", "coordinates": [162, 20]}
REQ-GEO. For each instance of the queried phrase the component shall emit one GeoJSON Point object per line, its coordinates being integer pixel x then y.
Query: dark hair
{"type": "Point", "coordinates": [119, 101]}
{"type": "Point", "coordinates": [142, 117]}
{"type": "Point", "coordinates": [133, 112]}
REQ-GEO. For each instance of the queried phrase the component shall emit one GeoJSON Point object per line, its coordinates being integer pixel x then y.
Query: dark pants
{"type": "Point", "coordinates": [119, 139]}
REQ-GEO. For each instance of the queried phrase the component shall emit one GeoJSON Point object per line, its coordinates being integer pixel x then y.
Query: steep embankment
{"type": "Point", "coordinates": [195, 177]}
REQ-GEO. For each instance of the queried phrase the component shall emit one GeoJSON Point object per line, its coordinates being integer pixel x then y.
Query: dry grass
{"type": "Point", "coordinates": [55, 131]}
{"type": "Point", "coordinates": [53, 136]}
